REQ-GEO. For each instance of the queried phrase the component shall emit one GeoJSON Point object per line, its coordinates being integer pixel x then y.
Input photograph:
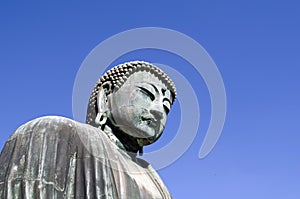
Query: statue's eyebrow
{"type": "Point", "coordinates": [167, 95]}
{"type": "Point", "coordinates": [150, 88]}
{"type": "Point", "coordinates": [164, 91]}
{"type": "Point", "coordinates": [168, 100]}
{"type": "Point", "coordinates": [154, 87]}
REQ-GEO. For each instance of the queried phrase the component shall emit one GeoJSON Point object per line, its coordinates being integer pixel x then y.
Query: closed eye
{"type": "Point", "coordinates": [147, 92]}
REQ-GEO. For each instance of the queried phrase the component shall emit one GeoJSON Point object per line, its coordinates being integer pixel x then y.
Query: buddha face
{"type": "Point", "coordinates": [140, 106]}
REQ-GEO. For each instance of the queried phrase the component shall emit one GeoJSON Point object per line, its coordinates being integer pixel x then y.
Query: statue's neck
{"type": "Point", "coordinates": [129, 143]}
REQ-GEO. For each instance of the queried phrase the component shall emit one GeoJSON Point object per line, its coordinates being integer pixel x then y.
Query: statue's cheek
{"type": "Point", "coordinates": [124, 114]}
{"type": "Point", "coordinates": [138, 99]}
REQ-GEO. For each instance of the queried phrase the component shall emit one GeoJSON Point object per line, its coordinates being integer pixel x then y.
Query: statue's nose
{"type": "Point", "coordinates": [157, 114]}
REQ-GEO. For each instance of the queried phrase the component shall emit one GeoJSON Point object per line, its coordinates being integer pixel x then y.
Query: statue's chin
{"type": "Point", "coordinates": [145, 134]}
{"type": "Point", "coordinates": [149, 140]}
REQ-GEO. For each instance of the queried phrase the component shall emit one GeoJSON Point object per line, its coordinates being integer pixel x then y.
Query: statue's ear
{"type": "Point", "coordinates": [102, 103]}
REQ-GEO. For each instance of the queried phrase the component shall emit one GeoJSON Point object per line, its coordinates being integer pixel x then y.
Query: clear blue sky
{"type": "Point", "coordinates": [255, 44]}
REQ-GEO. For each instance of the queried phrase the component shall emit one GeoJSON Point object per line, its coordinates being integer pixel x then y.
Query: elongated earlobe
{"type": "Point", "coordinates": [102, 104]}
{"type": "Point", "coordinates": [101, 119]}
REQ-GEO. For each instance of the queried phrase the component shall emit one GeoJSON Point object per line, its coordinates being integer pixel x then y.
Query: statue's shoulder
{"type": "Point", "coordinates": [52, 150]}
{"type": "Point", "coordinates": [51, 125]}
{"type": "Point", "coordinates": [57, 130]}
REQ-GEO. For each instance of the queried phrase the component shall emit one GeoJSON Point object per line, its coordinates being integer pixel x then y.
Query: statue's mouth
{"type": "Point", "coordinates": [150, 121]}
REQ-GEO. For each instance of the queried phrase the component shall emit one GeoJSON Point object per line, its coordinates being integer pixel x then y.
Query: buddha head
{"type": "Point", "coordinates": [133, 99]}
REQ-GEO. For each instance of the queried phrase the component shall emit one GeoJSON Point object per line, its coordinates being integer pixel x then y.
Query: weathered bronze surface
{"type": "Point", "coordinates": [55, 157]}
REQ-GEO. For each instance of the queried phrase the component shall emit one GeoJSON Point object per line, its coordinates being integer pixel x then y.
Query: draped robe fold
{"type": "Point", "coordinates": [55, 157]}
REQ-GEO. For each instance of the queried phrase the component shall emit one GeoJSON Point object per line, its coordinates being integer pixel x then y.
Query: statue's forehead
{"type": "Point", "coordinates": [149, 81]}
{"type": "Point", "coordinates": [145, 77]}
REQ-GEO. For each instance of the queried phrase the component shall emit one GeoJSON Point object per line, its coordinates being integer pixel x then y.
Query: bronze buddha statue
{"type": "Point", "coordinates": [56, 157]}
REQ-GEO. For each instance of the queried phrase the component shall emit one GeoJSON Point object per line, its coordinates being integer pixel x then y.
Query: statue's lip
{"type": "Point", "coordinates": [151, 121]}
